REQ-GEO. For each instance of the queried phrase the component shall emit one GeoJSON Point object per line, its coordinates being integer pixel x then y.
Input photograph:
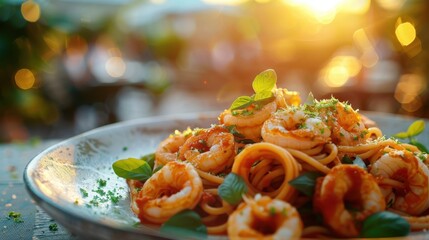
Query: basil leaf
{"type": "Point", "coordinates": [132, 168]}
{"type": "Point", "coordinates": [150, 159]}
{"type": "Point", "coordinates": [346, 160]}
{"type": "Point", "coordinates": [306, 182]}
{"type": "Point", "coordinates": [419, 145]}
{"type": "Point", "coordinates": [416, 128]}
{"type": "Point", "coordinates": [264, 81]}
{"type": "Point", "coordinates": [384, 224]}
{"type": "Point", "coordinates": [186, 224]}
{"type": "Point", "coordinates": [263, 95]}
{"type": "Point", "coordinates": [401, 135]}
{"type": "Point", "coordinates": [241, 102]}
{"type": "Point", "coordinates": [233, 130]}
{"type": "Point", "coordinates": [232, 188]}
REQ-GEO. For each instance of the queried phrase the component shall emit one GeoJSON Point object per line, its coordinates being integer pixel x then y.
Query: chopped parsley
{"type": "Point", "coordinates": [83, 192]}
{"type": "Point", "coordinates": [53, 227]}
{"type": "Point", "coordinates": [100, 195]}
{"type": "Point", "coordinates": [15, 216]}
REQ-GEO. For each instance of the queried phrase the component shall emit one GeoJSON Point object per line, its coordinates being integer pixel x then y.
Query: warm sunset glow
{"type": "Point", "coordinates": [369, 57]}
{"type": "Point", "coordinates": [339, 70]}
{"type": "Point", "coordinates": [356, 6]}
{"type": "Point", "coordinates": [225, 2]}
{"type": "Point", "coordinates": [30, 10]}
{"type": "Point", "coordinates": [391, 4]}
{"type": "Point", "coordinates": [409, 87]}
{"type": "Point", "coordinates": [336, 76]}
{"type": "Point", "coordinates": [325, 11]}
{"type": "Point", "coordinates": [24, 79]}
{"type": "Point", "coordinates": [406, 33]}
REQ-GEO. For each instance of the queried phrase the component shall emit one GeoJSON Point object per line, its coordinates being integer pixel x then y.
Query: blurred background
{"type": "Point", "coordinates": [67, 66]}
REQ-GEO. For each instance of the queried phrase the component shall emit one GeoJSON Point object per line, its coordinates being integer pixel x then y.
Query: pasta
{"type": "Point", "coordinates": [271, 143]}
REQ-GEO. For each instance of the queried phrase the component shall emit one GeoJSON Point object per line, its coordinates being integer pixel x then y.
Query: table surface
{"type": "Point", "coordinates": [35, 222]}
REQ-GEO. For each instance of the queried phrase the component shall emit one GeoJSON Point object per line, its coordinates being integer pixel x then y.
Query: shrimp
{"type": "Point", "coordinates": [286, 98]}
{"type": "Point", "coordinates": [210, 150]}
{"type": "Point", "coordinates": [176, 187]}
{"type": "Point", "coordinates": [293, 128]}
{"type": "Point", "coordinates": [346, 124]}
{"type": "Point", "coordinates": [247, 123]}
{"type": "Point", "coordinates": [168, 148]}
{"type": "Point", "coordinates": [347, 185]}
{"type": "Point", "coordinates": [264, 218]}
{"type": "Point", "coordinates": [409, 192]}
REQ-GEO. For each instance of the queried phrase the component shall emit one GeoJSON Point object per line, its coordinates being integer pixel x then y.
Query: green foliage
{"type": "Point", "coordinates": [384, 224]}
{"type": "Point", "coordinates": [185, 225]}
{"type": "Point", "coordinates": [232, 189]}
{"type": "Point", "coordinates": [132, 168]}
{"type": "Point", "coordinates": [415, 129]}
{"type": "Point", "coordinates": [263, 85]}
{"type": "Point", "coordinates": [306, 182]}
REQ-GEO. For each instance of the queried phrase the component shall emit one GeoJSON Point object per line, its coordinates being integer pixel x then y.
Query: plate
{"type": "Point", "coordinates": [74, 183]}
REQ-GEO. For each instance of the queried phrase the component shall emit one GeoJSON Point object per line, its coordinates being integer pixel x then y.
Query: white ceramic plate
{"type": "Point", "coordinates": [60, 177]}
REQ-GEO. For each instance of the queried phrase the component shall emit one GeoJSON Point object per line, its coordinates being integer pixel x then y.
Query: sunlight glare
{"type": "Point", "coordinates": [225, 2]}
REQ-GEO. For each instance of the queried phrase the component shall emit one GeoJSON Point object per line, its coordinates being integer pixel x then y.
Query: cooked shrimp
{"type": "Point", "coordinates": [286, 98]}
{"type": "Point", "coordinates": [409, 190]}
{"type": "Point", "coordinates": [345, 122]}
{"type": "Point", "coordinates": [174, 188]}
{"type": "Point", "coordinates": [210, 150]}
{"type": "Point", "coordinates": [168, 148]}
{"type": "Point", "coordinates": [293, 128]}
{"type": "Point", "coordinates": [264, 218]}
{"type": "Point", "coordinates": [246, 123]}
{"type": "Point", "coordinates": [347, 185]}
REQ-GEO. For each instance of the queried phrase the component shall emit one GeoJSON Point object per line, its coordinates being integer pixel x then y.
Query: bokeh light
{"type": "Point", "coordinates": [392, 5]}
{"type": "Point", "coordinates": [369, 57]}
{"type": "Point", "coordinates": [409, 87]}
{"type": "Point", "coordinates": [24, 79]}
{"type": "Point", "coordinates": [339, 70]}
{"type": "Point", "coordinates": [82, 55]}
{"type": "Point", "coordinates": [115, 67]}
{"type": "Point", "coordinates": [406, 33]}
{"type": "Point", "coordinates": [30, 10]}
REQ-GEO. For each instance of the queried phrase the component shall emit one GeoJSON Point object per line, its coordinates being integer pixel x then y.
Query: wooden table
{"type": "Point", "coordinates": [34, 223]}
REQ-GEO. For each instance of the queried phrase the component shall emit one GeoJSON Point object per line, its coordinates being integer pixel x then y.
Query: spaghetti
{"type": "Point", "coordinates": [268, 144]}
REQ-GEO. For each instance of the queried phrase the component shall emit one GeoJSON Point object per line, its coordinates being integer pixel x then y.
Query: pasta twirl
{"type": "Point", "coordinates": [271, 140]}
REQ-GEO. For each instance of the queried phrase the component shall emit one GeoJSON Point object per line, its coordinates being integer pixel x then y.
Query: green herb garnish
{"type": "Point", "coordinates": [101, 182]}
{"type": "Point", "coordinates": [150, 159]}
{"type": "Point", "coordinates": [232, 189]}
{"type": "Point", "coordinates": [263, 86]}
{"type": "Point", "coordinates": [384, 224]}
{"type": "Point", "coordinates": [84, 192]}
{"type": "Point", "coordinates": [53, 227]}
{"type": "Point", "coordinates": [306, 182]}
{"type": "Point", "coordinates": [186, 225]}
{"type": "Point", "coordinates": [132, 168]}
{"type": "Point", "coordinates": [16, 216]}
{"type": "Point", "coordinates": [415, 129]}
